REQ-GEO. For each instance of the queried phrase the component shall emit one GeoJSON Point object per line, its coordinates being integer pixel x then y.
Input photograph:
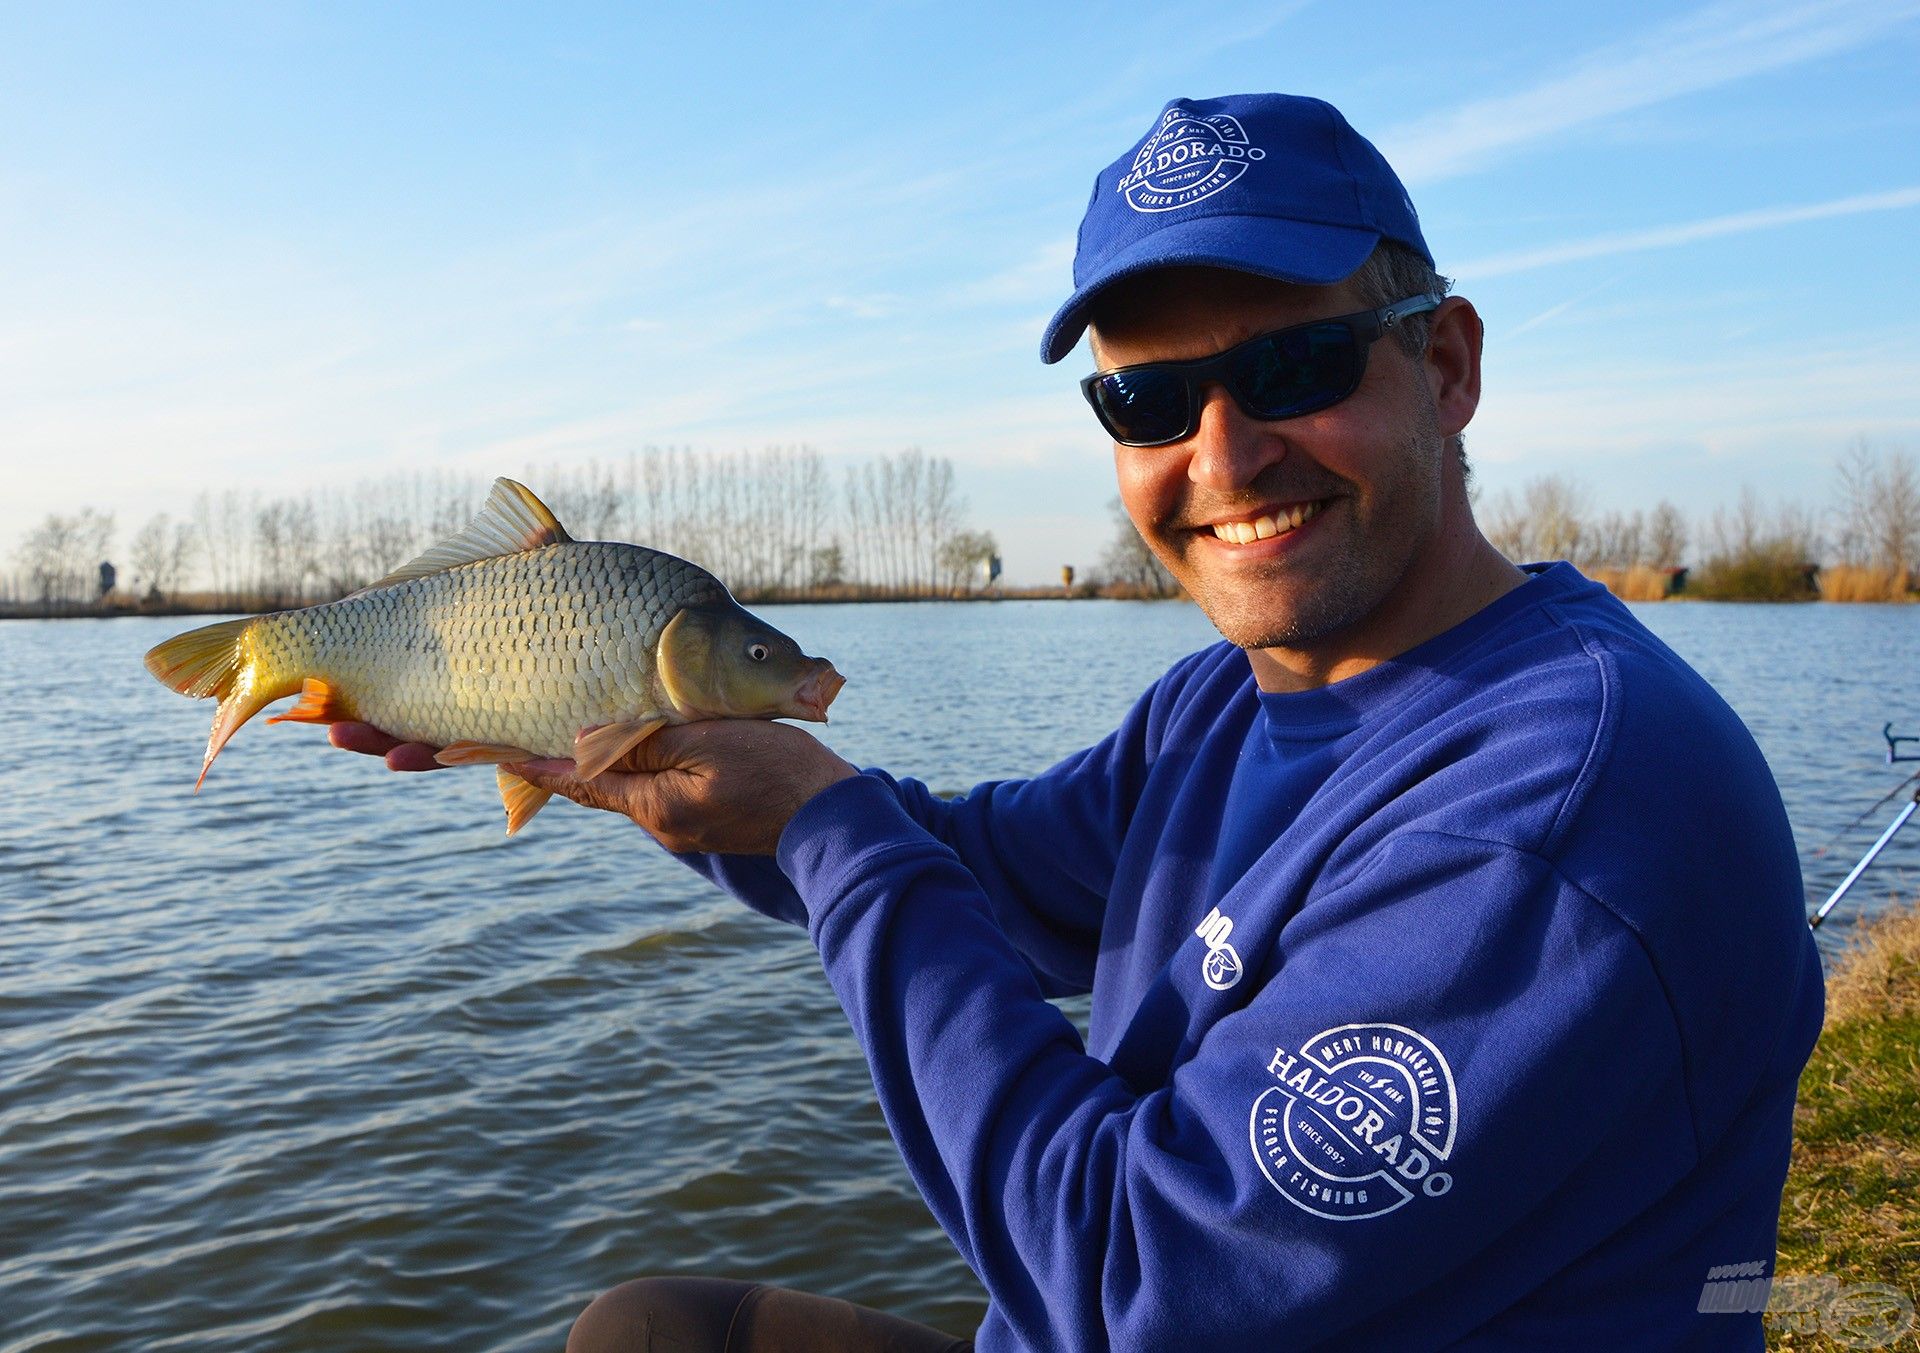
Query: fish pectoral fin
{"type": "Point", "coordinates": [465, 753]}
{"type": "Point", "coordinates": [319, 703]}
{"type": "Point", "coordinates": [598, 748]}
{"type": "Point", "coordinates": [521, 799]}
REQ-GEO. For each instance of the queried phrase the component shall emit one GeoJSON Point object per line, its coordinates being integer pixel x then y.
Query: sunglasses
{"type": "Point", "coordinates": [1279, 375]}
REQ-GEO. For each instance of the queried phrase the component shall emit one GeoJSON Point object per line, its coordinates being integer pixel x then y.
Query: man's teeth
{"type": "Point", "coordinates": [1281, 522]}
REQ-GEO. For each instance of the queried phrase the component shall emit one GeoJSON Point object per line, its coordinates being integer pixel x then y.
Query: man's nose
{"type": "Point", "coordinates": [1228, 448]}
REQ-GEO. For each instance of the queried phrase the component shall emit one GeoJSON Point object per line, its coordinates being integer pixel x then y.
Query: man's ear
{"type": "Point", "coordinates": [1451, 363]}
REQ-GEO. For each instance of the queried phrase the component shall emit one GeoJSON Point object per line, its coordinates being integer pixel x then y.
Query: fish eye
{"type": "Point", "coordinates": [758, 652]}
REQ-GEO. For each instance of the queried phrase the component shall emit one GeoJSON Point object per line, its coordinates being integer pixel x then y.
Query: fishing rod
{"type": "Point", "coordinates": [1893, 758]}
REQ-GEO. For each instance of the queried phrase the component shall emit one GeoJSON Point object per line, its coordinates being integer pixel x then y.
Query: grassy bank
{"type": "Point", "coordinates": [1852, 1206]}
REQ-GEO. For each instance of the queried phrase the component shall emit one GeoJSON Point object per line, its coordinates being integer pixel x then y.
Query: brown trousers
{"type": "Point", "coordinates": [726, 1315]}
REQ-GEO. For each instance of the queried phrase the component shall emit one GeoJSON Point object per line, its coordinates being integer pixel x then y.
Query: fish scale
{"type": "Point", "coordinates": [510, 638]}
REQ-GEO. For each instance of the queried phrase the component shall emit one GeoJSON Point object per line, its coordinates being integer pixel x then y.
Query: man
{"type": "Point", "coordinates": [1450, 982]}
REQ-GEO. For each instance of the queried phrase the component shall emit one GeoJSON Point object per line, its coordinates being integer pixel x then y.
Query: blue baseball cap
{"type": "Point", "coordinates": [1272, 184]}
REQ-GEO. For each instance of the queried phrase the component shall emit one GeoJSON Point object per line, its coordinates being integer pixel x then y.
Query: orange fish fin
{"type": "Point", "coordinates": [246, 700]}
{"type": "Point", "coordinates": [319, 703]}
{"type": "Point", "coordinates": [465, 753]}
{"type": "Point", "coordinates": [201, 662]}
{"type": "Point", "coordinates": [215, 661]}
{"type": "Point", "coordinates": [511, 520]}
{"type": "Point", "coordinates": [598, 748]}
{"type": "Point", "coordinates": [522, 799]}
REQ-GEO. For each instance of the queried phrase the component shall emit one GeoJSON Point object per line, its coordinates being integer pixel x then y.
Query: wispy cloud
{"type": "Point", "coordinates": [1042, 275]}
{"type": "Point", "coordinates": [1723, 42]}
{"type": "Point", "coordinates": [1664, 237]}
{"type": "Point", "coordinates": [1554, 312]}
{"type": "Point", "coordinates": [1741, 402]}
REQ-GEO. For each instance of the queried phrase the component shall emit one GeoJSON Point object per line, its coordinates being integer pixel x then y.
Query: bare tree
{"type": "Point", "coordinates": [162, 553]}
{"type": "Point", "coordinates": [1666, 536]}
{"type": "Point", "coordinates": [1896, 515]}
{"type": "Point", "coordinates": [46, 558]}
{"type": "Point", "coordinates": [963, 557]}
{"type": "Point", "coordinates": [1548, 520]}
{"type": "Point", "coordinates": [1130, 563]}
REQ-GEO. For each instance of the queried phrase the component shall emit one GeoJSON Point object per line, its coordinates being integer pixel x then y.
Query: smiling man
{"type": "Point", "coordinates": [1444, 930]}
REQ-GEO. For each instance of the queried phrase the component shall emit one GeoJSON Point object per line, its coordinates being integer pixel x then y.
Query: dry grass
{"type": "Point", "coordinates": [1878, 977]}
{"type": "Point", "coordinates": [1850, 582]}
{"type": "Point", "coordinates": [1852, 1205]}
{"type": "Point", "coordinates": [1640, 582]}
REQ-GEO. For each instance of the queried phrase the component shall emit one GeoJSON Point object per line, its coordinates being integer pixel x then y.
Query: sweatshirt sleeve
{"type": "Point", "coordinates": [1454, 1059]}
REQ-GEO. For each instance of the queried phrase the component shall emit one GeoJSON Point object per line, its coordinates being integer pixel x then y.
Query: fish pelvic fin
{"type": "Point", "coordinates": [598, 748]}
{"type": "Point", "coordinates": [319, 703]}
{"type": "Point", "coordinates": [511, 520]}
{"type": "Point", "coordinates": [217, 660]}
{"type": "Point", "coordinates": [522, 800]}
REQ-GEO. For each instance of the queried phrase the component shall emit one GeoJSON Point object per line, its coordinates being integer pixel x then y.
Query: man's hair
{"type": "Point", "coordinates": [1393, 272]}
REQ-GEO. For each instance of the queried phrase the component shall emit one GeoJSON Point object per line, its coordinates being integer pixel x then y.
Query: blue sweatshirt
{"type": "Point", "coordinates": [1458, 1003]}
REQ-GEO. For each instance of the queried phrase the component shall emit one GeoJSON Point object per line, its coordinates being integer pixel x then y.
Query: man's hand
{"type": "Point", "coordinates": [725, 786]}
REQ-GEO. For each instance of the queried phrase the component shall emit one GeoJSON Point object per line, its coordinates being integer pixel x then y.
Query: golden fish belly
{"type": "Point", "coordinates": [522, 650]}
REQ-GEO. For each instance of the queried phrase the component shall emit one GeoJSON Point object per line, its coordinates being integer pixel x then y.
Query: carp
{"type": "Point", "coordinates": [509, 641]}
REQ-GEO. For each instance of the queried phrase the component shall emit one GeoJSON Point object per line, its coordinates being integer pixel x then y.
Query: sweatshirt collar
{"type": "Point", "coordinates": [1327, 712]}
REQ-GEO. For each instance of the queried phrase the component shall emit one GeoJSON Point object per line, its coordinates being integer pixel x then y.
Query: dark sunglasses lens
{"type": "Point", "coordinates": [1143, 406]}
{"type": "Point", "coordinates": [1298, 371]}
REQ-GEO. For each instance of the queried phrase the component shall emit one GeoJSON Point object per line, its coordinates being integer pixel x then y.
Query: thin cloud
{"type": "Point", "coordinates": [1714, 46]}
{"type": "Point", "coordinates": [1554, 312]}
{"type": "Point", "coordinates": [1665, 237]}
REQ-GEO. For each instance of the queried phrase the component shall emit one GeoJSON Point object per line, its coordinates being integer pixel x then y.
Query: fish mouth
{"type": "Point", "coordinates": [815, 694]}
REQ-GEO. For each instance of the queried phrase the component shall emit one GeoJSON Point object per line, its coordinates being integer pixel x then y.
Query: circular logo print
{"type": "Point", "coordinates": [1186, 159]}
{"type": "Point", "coordinates": [1362, 1117]}
{"type": "Point", "coordinates": [1221, 968]}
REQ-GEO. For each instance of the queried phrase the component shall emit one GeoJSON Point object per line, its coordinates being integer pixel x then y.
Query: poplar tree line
{"type": "Point", "coordinates": [776, 522]}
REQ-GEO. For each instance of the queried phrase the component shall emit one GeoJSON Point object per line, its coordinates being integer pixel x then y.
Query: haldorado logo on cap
{"type": "Point", "coordinates": [1186, 159]}
{"type": "Point", "coordinates": [1361, 1117]}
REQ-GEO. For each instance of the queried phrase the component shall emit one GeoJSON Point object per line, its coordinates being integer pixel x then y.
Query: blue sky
{"type": "Point", "coordinates": [283, 246]}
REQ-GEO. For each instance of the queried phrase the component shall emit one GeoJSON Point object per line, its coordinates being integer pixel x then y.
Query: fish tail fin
{"type": "Point", "coordinates": [201, 662]}
{"type": "Point", "coordinates": [522, 800]}
{"type": "Point", "coordinates": [216, 661]}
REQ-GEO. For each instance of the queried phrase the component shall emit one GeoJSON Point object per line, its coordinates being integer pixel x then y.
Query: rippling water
{"type": "Point", "coordinates": [319, 1059]}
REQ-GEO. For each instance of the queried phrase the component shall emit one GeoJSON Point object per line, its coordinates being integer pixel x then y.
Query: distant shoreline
{"type": "Point", "coordinates": [242, 606]}
{"type": "Point", "coordinates": [1627, 586]}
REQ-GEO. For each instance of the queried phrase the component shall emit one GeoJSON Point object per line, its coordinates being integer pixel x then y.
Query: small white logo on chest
{"type": "Point", "coordinates": [1221, 967]}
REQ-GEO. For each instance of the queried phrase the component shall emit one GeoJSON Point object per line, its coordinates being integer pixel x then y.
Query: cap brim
{"type": "Point", "coordinates": [1288, 251]}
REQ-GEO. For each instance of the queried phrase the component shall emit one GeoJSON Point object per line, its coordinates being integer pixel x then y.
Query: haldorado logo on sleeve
{"type": "Point", "coordinates": [1187, 158]}
{"type": "Point", "coordinates": [1360, 1118]}
{"type": "Point", "coordinates": [1221, 967]}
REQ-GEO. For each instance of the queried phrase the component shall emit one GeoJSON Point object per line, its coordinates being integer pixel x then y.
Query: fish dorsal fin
{"type": "Point", "coordinates": [511, 520]}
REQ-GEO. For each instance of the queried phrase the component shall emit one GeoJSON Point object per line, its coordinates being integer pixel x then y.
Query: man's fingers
{"type": "Point", "coordinates": [366, 739]}
{"type": "Point", "coordinates": [361, 737]}
{"type": "Point", "coordinates": [413, 756]}
{"type": "Point", "coordinates": [670, 748]}
{"type": "Point", "coordinates": [608, 790]}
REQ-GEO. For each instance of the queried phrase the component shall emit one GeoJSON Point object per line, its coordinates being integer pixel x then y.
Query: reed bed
{"type": "Point", "coordinates": [1637, 582]}
{"type": "Point", "coordinates": [1852, 582]}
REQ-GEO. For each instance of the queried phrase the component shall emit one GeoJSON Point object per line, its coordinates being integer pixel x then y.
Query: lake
{"type": "Point", "coordinates": [319, 1059]}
